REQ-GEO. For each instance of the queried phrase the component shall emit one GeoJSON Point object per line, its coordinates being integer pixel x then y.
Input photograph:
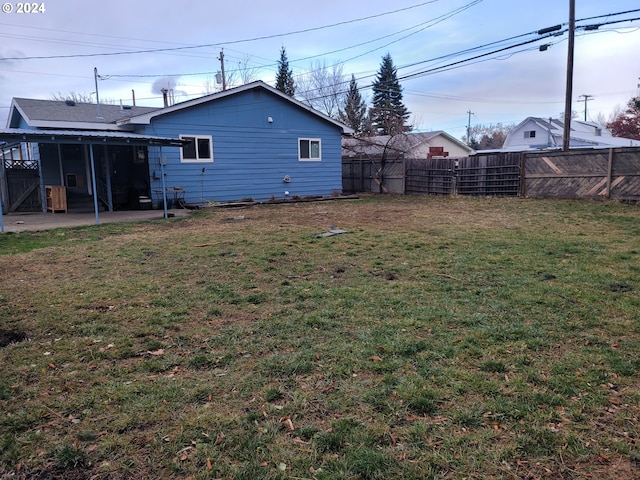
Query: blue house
{"type": "Point", "coordinates": [247, 142]}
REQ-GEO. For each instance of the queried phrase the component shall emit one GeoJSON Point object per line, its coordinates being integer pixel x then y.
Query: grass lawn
{"type": "Point", "coordinates": [442, 338]}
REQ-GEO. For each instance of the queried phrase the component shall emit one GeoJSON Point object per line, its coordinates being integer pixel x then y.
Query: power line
{"type": "Point", "coordinates": [585, 99]}
{"type": "Point", "coordinates": [218, 44]}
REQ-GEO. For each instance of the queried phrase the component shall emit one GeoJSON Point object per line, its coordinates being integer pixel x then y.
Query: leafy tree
{"type": "Point", "coordinates": [627, 123]}
{"type": "Point", "coordinates": [284, 78]}
{"type": "Point", "coordinates": [322, 87]}
{"type": "Point", "coordinates": [388, 114]}
{"type": "Point", "coordinates": [354, 113]}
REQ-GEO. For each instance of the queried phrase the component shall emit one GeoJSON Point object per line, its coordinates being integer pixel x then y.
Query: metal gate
{"type": "Point", "coordinates": [483, 175]}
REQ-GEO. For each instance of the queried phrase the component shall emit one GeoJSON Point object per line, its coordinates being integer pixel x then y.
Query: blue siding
{"type": "Point", "coordinates": [251, 155]}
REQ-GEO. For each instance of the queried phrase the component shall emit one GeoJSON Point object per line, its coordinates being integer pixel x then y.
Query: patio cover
{"type": "Point", "coordinates": [85, 137]}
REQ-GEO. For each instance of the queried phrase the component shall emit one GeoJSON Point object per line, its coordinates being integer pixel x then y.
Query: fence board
{"type": "Point", "coordinates": [610, 173]}
{"type": "Point", "coordinates": [367, 174]}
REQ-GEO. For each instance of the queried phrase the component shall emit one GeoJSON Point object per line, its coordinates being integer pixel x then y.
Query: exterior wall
{"type": "Point", "coordinates": [516, 137]}
{"type": "Point", "coordinates": [251, 156]}
{"type": "Point", "coordinates": [20, 123]}
{"type": "Point", "coordinates": [453, 149]}
{"type": "Point", "coordinates": [50, 164]}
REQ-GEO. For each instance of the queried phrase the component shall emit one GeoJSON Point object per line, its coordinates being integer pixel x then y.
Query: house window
{"type": "Point", "coordinates": [309, 149]}
{"type": "Point", "coordinates": [72, 180]}
{"type": "Point", "coordinates": [197, 150]}
{"type": "Point", "coordinates": [530, 134]}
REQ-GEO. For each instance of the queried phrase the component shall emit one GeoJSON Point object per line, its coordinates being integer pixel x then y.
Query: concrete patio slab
{"type": "Point", "coordinates": [22, 222]}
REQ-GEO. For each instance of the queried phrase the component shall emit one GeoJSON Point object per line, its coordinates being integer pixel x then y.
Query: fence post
{"type": "Point", "coordinates": [454, 177]}
{"type": "Point", "coordinates": [609, 171]}
{"type": "Point", "coordinates": [523, 178]}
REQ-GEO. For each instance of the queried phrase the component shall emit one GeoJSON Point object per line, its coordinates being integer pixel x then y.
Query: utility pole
{"type": "Point", "coordinates": [585, 99]}
{"type": "Point", "coordinates": [469, 127]}
{"type": "Point", "coordinates": [224, 80]}
{"type": "Point", "coordinates": [569, 91]}
{"type": "Point", "coordinates": [95, 78]}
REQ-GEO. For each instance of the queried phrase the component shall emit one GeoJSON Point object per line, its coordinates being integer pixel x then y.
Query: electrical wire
{"type": "Point", "coordinates": [218, 44]}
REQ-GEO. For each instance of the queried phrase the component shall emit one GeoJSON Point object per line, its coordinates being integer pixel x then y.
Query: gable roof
{"type": "Point", "coordinates": [59, 114]}
{"type": "Point", "coordinates": [147, 117]}
{"type": "Point", "coordinates": [65, 114]}
{"type": "Point", "coordinates": [582, 134]}
{"type": "Point", "coordinates": [398, 144]}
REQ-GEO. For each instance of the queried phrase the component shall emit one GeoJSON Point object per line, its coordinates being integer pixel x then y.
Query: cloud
{"type": "Point", "coordinates": [169, 83]}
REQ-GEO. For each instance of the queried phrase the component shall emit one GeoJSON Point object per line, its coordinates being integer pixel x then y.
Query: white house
{"type": "Point", "coordinates": [536, 133]}
{"type": "Point", "coordinates": [409, 145]}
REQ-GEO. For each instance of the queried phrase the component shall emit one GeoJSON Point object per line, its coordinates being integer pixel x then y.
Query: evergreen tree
{"type": "Point", "coordinates": [284, 78]}
{"type": "Point", "coordinates": [388, 114]}
{"type": "Point", "coordinates": [354, 114]}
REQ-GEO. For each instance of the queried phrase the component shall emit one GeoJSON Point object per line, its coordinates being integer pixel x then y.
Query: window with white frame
{"type": "Point", "coordinates": [530, 134]}
{"type": "Point", "coordinates": [198, 150]}
{"type": "Point", "coordinates": [309, 149]}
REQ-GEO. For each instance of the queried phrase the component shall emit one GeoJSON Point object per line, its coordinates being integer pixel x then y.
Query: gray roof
{"type": "Point", "coordinates": [398, 144]}
{"type": "Point", "coordinates": [35, 110]}
{"type": "Point", "coordinates": [61, 114]}
{"type": "Point", "coordinates": [581, 135]}
{"type": "Point", "coordinates": [17, 135]}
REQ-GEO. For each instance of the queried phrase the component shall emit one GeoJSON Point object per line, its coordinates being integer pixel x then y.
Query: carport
{"type": "Point", "coordinates": [91, 140]}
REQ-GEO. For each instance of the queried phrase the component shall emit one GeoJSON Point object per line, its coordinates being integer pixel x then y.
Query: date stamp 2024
{"type": "Point", "coordinates": [25, 8]}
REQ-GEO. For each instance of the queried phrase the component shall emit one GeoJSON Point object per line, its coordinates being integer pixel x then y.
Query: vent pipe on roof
{"type": "Point", "coordinates": [133, 96]}
{"type": "Point", "coordinates": [164, 97]}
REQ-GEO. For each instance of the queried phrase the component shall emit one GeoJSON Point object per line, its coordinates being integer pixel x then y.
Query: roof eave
{"type": "Point", "coordinates": [15, 135]}
{"type": "Point", "coordinates": [146, 119]}
{"type": "Point", "coordinates": [49, 124]}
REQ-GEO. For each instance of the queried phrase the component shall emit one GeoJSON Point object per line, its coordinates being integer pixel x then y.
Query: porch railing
{"type": "Point", "coordinates": [102, 192]}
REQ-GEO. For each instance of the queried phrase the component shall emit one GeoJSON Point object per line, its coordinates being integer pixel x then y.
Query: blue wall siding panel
{"type": "Point", "coordinates": [251, 156]}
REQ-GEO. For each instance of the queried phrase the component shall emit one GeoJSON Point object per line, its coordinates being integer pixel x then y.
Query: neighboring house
{"type": "Point", "coordinates": [539, 134]}
{"type": "Point", "coordinates": [409, 145]}
{"type": "Point", "coordinates": [247, 142]}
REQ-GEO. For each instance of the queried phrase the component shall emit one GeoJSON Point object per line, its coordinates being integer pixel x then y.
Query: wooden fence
{"type": "Point", "coordinates": [366, 174]}
{"type": "Point", "coordinates": [608, 173]}
{"type": "Point", "coordinates": [611, 173]}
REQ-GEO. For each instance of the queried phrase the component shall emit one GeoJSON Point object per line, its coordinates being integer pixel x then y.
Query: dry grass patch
{"type": "Point", "coordinates": [437, 338]}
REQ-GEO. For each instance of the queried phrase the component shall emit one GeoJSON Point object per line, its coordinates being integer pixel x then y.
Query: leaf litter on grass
{"type": "Point", "coordinates": [423, 344]}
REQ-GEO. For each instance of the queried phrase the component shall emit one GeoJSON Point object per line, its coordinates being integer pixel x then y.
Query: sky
{"type": "Point", "coordinates": [138, 47]}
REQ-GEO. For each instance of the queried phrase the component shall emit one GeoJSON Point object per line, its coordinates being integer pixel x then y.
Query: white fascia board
{"type": "Point", "coordinates": [146, 118]}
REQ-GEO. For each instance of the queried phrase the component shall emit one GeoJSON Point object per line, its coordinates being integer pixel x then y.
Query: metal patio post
{"type": "Point", "coordinates": [93, 183]}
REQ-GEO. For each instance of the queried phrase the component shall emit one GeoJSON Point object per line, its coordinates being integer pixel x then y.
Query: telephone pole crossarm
{"type": "Point", "coordinates": [585, 99]}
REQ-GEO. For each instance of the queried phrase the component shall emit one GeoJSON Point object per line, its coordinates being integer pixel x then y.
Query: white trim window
{"type": "Point", "coordinates": [309, 149]}
{"type": "Point", "coordinates": [198, 150]}
{"type": "Point", "coordinates": [529, 134]}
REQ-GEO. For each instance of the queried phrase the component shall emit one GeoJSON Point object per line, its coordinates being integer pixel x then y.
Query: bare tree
{"type": "Point", "coordinates": [323, 88]}
{"type": "Point", "coordinates": [209, 84]}
{"type": "Point", "coordinates": [487, 137]}
{"type": "Point", "coordinates": [75, 97]}
{"type": "Point", "coordinates": [245, 72]}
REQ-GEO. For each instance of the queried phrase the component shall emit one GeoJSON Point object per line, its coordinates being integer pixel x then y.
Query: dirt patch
{"type": "Point", "coordinates": [7, 337]}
